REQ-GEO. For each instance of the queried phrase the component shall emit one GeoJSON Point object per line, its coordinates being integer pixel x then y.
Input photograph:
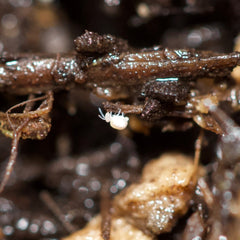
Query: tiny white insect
{"type": "Point", "coordinates": [117, 121]}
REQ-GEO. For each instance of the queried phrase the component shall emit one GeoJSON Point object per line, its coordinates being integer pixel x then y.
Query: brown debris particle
{"type": "Point", "coordinates": [162, 195]}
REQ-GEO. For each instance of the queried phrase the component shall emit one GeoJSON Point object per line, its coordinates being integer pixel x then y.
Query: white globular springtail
{"type": "Point", "coordinates": [117, 121]}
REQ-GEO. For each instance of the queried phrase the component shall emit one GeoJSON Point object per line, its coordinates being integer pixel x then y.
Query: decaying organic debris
{"type": "Point", "coordinates": [120, 229]}
{"type": "Point", "coordinates": [162, 195]}
{"type": "Point", "coordinates": [164, 88]}
{"type": "Point", "coordinates": [153, 205]}
{"type": "Point", "coordinates": [158, 82]}
{"type": "Point", "coordinates": [108, 62]}
{"type": "Point", "coordinates": [31, 124]}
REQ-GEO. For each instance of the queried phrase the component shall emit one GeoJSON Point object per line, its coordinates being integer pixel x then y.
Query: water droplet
{"type": "Point", "coordinates": [9, 21]}
{"type": "Point", "coordinates": [8, 230]}
{"type": "Point", "coordinates": [89, 203]}
{"type": "Point", "coordinates": [82, 169]}
{"type": "Point", "coordinates": [22, 224]}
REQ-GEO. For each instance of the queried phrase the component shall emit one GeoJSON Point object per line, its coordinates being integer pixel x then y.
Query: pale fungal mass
{"type": "Point", "coordinates": [117, 121]}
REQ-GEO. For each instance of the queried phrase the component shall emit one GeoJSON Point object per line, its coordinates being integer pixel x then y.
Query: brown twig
{"type": "Point", "coordinates": [52, 205]}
